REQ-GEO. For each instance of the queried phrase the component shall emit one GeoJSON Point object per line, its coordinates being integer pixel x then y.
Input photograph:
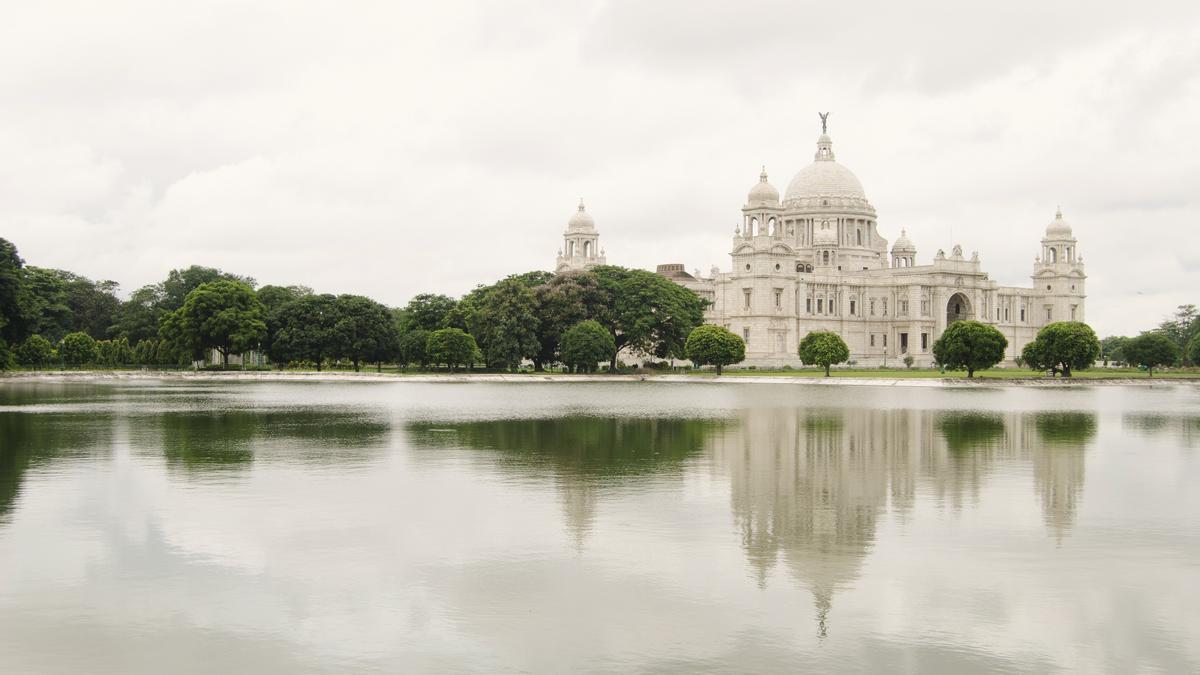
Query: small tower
{"type": "Point", "coordinates": [762, 214]}
{"type": "Point", "coordinates": [581, 244]}
{"type": "Point", "coordinates": [1058, 276]}
{"type": "Point", "coordinates": [904, 252]}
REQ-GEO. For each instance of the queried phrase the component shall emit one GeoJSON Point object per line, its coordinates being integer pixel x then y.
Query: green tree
{"type": "Point", "coordinates": [274, 297]}
{"type": "Point", "coordinates": [1152, 350]}
{"type": "Point", "coordinates": [35, 351]}
{"type": "Point", "coordinates": [223, 315]}
{"type": "Point", "coordinates": [563, 301]}
{"type": "Point", "coordinates": [505, 326]}
{"type": "Point", "coordinates": [451, 346]}
{"type": "Point", "coordinates": [305, 330]}
{"type": "Point", "coordinates": [824, 349]}
{"type": "Point", "coordinates": [13, 325]}
{"type": "Point", "coordinates": [138, 317]}
{"type": "Point", "coordinates": [1111, 349]}
{"type": "Point", "coordinates": [586, 344]}
{"type": "Point", "coordinates": [115, 352]}
{"type": "Point", "coordinates": [364, 331]}
{"type": "Point", "coordinates": [710, 345]}
{"type": "Point", "coordinates": [78, 349]}
{"type": "Point", "coordinates": [971, 345]}
{"type": "Point", "coordinates": [649, 313]}
{"type": "Point", "coordinates": [144, 352]}
{"type": "Point", "coordinates": [1062, 347]}
{"type": "Point", "coordinates": [1193, 350]}
{"type": "Point", "coordinates": [428, 311]}
{"type": "Point", "coordinates": [180, 283]}
{"type": "Point", "coordinates": [1182, 326]}
{"type": "Point", "coordinates": [413, 346]}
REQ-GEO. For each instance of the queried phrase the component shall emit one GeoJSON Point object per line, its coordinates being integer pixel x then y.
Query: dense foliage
{"type": "Point", "coordinates": [971, 345]}
{"type": "Point", "coordinates": [78, 349]}
{"type": "Point", "coordinates": [823, 349]}
{"type": "Point", "coordinates": [36, 351]}
{"type": "Point", "coordinates": [585, 345]}
{"type": "Point", "coordinates": [452, 347]}
{"type": "Point", "coordinates": [710, 345]}
{"type": "Point", "coordinates": [1062, 347]}
{"type": "Point", "coordinates": [1152, 350]}
{"type": "Point", "coordinates": [223, 315]}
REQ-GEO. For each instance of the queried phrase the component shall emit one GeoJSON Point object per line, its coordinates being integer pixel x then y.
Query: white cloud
{"type": "Point", "coordinates": [399, 149]}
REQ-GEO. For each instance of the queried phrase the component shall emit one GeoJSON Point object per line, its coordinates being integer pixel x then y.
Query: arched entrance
{"type": "Point", "coordinates": [958, 309]}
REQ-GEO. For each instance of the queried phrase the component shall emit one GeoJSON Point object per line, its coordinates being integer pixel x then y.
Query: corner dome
{"type": "Point", "coordinates": [582, 220]}
{"type": "Point", "coordinates": [825, 179]}
{"type": "Point", "coordinates": [1058, 228]}
{"type": "Point", "coordinates": [904, 243]}
{"type": "Point", "coordinates": [763, 192]}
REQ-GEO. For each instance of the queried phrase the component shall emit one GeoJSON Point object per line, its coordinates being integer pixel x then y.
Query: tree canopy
{"type": "Point", "coordinates": [304, 330]}
{"type": "Point", "coordinates": [504, 324]}
{"type": "Point", "coordinates": [35, 351]}
{"type": "Point", "coordinates": [971, 345]}
{"type": "Point", "coordinates": [649, 313]}
{"type": "Point", "coordinates": [824, 349]}
{"type": "Point", "coordinates": [451, 346]}
{"type": "Point", "coordinates": [78, 349]}
{"type": "Point", "coordinates": [428, 311]}
{"type": "Point", "coordinates": [223, 315]}
{"type": "Point", "coordinates": [585, 345]}
{"type": "Point", "coordinates": [1152, 350]}
{"type": "Point", "coordinates": [710, 345]}
{"type": "Point", "coordinates": [1111, 349]}
{"type": "Point", "coordinates": [364, 331]}
{"type": "Point", "coordinates": [1062, 347]}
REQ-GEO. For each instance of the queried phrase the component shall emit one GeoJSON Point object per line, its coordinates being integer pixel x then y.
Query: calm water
{"type": "Point", "coordinates": [262, 527]}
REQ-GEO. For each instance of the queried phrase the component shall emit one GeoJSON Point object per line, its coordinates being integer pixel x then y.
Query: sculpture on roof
{"type": "Point", "coordinates": [824, 116]}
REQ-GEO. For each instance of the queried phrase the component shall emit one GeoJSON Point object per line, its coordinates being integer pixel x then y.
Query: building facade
{"type": "Point", "coordinates": [815, 260]}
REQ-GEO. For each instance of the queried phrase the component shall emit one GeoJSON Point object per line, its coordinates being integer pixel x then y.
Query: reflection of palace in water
{"type": "Point", "coordinates": [809, 486]}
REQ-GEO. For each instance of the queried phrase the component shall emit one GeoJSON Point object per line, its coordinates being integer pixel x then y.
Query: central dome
{"type": "Point", "coordinates": [824, 179]}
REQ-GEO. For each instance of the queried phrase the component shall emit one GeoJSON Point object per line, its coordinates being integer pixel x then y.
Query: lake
{"type": "Point", "coordinates": [609, 527]}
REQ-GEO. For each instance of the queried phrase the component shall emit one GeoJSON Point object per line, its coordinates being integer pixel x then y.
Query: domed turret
{"type": "Point", "coordinates": [825, 180]}
{"type": "Point", "coordinates": [904, 252]}
{"type": "Point", "coordinates": [763, 192]}
{"type": "Point", "coordinates": [1058, 228]}
{"type": "Point", "coordinates": [581, 220]}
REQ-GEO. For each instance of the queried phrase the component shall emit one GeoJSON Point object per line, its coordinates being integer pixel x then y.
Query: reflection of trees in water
{"type": "Point", "coordinates": [808, 487]}
{"type": "Point", "coordinates": [579, 453]}
{"type": "Point", "coordinates": [1184, 428]}
{"type": "Point", "coordinates": [222, 439]}
{"type": "Point", "coordinates": [32, 439]}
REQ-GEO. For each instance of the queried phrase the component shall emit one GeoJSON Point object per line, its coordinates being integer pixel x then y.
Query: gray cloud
{"type": "Point", "coordinates": [399, 149]}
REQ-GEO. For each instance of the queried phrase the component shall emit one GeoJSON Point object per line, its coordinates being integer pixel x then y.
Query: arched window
{"type": "Point", "coordinates": [587, 249]}
{"type": "Point", "coordinates": [754, 226]}
{"type": "Point", "coordinates": [860, 237]}
{"type": "Point", "coordinates": [570, 249]}
{"type": "Point", "coordinates": [1053, 254]}
{"type": "Point", "coordinates": [771, 226]}
{"type": "Point", "coordinates": [826, 257]}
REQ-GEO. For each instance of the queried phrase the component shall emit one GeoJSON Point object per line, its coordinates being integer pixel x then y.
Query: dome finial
{"type": "Point", "coordinates": [1058, 213]}
{"type": "Point", "coordinates": [581, 203]}
{"type": "Point", "coordinates": [762, 177]}
{"type": "Point", "coordinates": [824, 121]}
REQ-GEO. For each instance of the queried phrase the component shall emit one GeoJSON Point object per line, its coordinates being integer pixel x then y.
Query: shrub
{"type": "Point", "coordinates": [36, 351]}
{"type": "Point", "coordinates": [78, 349]}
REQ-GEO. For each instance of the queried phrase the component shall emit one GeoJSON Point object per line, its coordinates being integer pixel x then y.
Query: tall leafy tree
{"type": "Point", "coordinates": [428, 311]}
{"type": "Point", "coordinates": [1062, 347]}
{"type": "Point", "coordinates": [305, 330]}
{"type": "Point", "coordinates": [413, 347]}
{"type": "Point", "coordinates": [1192, 355]}
{"type": "Point", "coordinates": [1152, 350]}
{"type": "Point", "coordinates": [650, 313]}
{"type": "Point", "coordinates": [971, 345]}
{"type": "Point", "coordinates": [1182, 326]}
{"type": "Point", "coordinates": [13, 328]}
{"type": "Point", "coordinates": [1111, 348]}
{"type": "Point", "coordinates": [179, 283]}
{"type": "Point", "coordinates": [561, 302]}
{"type": "Point", "coordinates": [823, 349]}
{"type": "Point", "coordinates": [710, 345]}
{"type": "Point", "coordinates": [223, 315]}
{"type": "Point", "coordinates": [78, 349]}
{"type": "Point", "coordinates": [364, 331]}
{"type": "Point", "coordinates": [138, 317]}
{"type": "Point", "coordinates": [58, 302]}
{"type": "Point", "coordinates": [273, 297]}
{"type": "Point", "coordinates": [505, 325]}
{"type": "Point", "coordinates": [585, 345]}
{"type": "Point", "coordinates": [452, 346]}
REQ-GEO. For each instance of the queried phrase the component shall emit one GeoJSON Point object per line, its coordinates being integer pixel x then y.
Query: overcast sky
{"type": "Point", "coordinates": [390, 148]}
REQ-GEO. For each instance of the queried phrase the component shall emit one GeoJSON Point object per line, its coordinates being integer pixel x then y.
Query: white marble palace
{"type": "Point", "coordinates": [816, 260]}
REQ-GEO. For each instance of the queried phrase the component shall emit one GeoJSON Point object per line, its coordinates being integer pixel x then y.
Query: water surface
{"type": "Point", "coordinates": [610, 527]}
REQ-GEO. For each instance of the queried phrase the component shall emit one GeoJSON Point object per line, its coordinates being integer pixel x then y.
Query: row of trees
{"type": "Point", "coordinates": [1176, 341]}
